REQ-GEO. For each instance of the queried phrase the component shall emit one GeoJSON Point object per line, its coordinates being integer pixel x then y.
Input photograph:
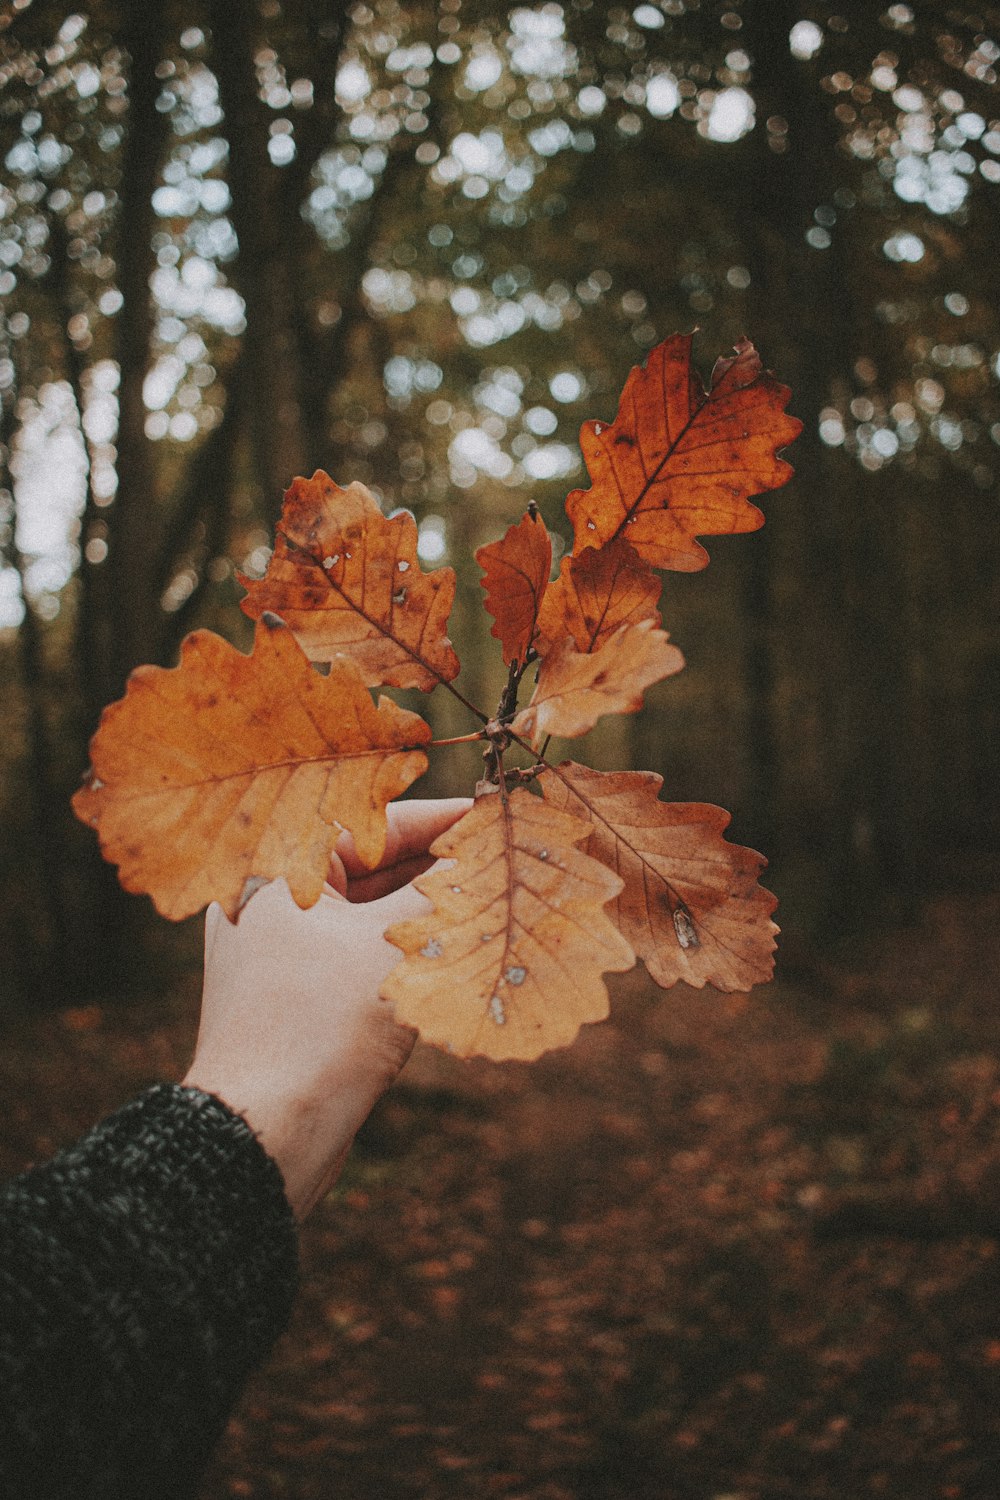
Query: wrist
{"type": "Point", "coordinates": [306, 1132]}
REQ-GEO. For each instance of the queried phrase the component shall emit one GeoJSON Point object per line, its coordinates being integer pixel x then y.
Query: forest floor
{"type": "Point", "coordinates": [707, 1253]}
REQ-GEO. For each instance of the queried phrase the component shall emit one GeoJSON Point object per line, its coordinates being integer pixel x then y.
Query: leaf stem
{"type": "Point", "coordinates": [476, 712]}
{"type": "Point", "coordinates": [462, 739]}
{"type": "Point", "coordinates": [539, 756]}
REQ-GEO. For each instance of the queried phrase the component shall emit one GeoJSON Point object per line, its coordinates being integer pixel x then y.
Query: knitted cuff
{"type": "Point", "coordinates": [143, 1272]}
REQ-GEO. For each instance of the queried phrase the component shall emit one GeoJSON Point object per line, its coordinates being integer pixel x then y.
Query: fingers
{"type": "Point", "coordinates": [380, 883]}
{"type": "Point", "coordinates": [413, 827]}
{"type": "Point", "coordinates": [336, 876]}
{"type": "Point", "coordinates": [398, 906]}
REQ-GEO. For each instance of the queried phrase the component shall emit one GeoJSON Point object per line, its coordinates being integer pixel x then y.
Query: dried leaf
{"type": "Point", "coordinates": [229, 770]}
{"type": "Point", "coordinates": [597, 591]}
{"type": "Point", "coordinates": [516, 576]}
{"type": "Point", "coordinates": [346, 579]}
{"type": "Point", "coordinates": [509, 962]}
{"type": "Point", "coordinates": [690, 906]}
{"type": "Point", "coordinates": [574, 689]}
{"type": "Point", "coordinates": [677, 463]}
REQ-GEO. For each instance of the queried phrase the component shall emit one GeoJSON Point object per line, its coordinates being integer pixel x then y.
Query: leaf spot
{"type": "Point", "coordinates": [433, 949]}
{"type": "Point", "coordinates": [400, 597]}
{"type": "Point", "coordinates": [486, 937]}
{"type": "Point", "coordinates": [515, 974]}
{"type": "Point", "coordinates": [591, 525]}
{"type": "Point", "coordinates": [497, 1011]}
{"type": "Point", "coordinates": [684, 928]}
{"type": "Point", "coordinates": [272, 621]}
{"type": "Point", "coordinates": [328, 562]}
{"type": "Point", "coordinates": [543, 854]}
{"type": "Point", "coordinates": [457, 889]}
{"type": "Point", "coordinates": [402, 565]}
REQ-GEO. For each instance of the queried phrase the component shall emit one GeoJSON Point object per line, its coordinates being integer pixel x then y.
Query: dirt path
{"type": "Point", "coordinates": [704, 1254]}
{"type": "Point", "coordinates": [626, 1271]}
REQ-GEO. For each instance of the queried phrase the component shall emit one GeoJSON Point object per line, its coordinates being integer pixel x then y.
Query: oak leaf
{"type": "Point", "coordinates": [509, 962]}
{"type": "Point", "coordinates": [516, 570]}
{"type": "Point", "coordinates": [214, 776]}
{"type": "Point", "coordinates": [677, 463]}
{"type": "Point", "coordinates": [347, 580]}
{"type": "Point", "coordinates": [575, 688]}
{"type": "Point", "coordinates": [597, 591]}
{"type": "Point", "coordinates": [690, 904]}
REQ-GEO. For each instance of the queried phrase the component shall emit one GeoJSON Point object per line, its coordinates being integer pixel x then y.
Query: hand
{"type": "Point", "coordinates": [293, 1035]}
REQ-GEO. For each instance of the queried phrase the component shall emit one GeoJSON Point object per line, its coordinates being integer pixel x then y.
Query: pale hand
{"type": "Point", "coordinates": [293, 1035]}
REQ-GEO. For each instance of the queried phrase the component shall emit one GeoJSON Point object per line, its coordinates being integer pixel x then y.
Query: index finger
{"type": "Point", "coordinates": [413, 827]}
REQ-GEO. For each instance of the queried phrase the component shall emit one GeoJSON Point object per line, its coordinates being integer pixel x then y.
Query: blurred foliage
{"type": "Point", "coordinates": [417, 245]}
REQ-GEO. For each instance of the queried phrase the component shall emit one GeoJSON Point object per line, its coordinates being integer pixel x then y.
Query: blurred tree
{"type": "Point", "coordinates": [416, 245]}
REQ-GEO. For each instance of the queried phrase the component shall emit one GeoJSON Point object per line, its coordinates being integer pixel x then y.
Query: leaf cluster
{"type": "Point", "coordinates": [227, 771]}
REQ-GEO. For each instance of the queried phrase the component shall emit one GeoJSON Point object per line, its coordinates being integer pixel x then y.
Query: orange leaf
{"type": "Point", "coordinates": [347, 581]}
{"type": "Point", "coordinates": [509, 962]}
{"type": "Point", "coordinates": [575, 689]}
{"type": "Point", "coordinates": [691, 906]}
{"type": "Point", "coordinates": [597, 591]}
{"type": "Point", "coordinates": [517, 575]}
{"type": "Point", "coordinates": [226, 771]}
{"type": "Point", "coordinates": [677, 463]}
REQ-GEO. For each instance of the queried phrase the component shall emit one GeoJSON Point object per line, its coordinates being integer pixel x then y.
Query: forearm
{"type": "Point", "coordinates": [143, 1273]}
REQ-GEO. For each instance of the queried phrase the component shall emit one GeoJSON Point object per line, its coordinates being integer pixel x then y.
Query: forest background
{"type": "Point", "coordinates": [703, 1252]}
{"type": "Point", "coordinates": [416, 246]}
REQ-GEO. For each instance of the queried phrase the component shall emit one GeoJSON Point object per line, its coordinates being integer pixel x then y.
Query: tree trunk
{"type": "Point", "coordinates": [134, 520]}
{"type": "Point", "coordinates": [261, 272]}
{"type": "Point", "coordinates": [41, 967]}
{"type": "Point", "coordinates": [851, 599]}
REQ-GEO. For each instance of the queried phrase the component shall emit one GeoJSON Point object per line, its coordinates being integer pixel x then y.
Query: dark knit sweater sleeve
{"type": "Point", "coordinates": [143, 1273]}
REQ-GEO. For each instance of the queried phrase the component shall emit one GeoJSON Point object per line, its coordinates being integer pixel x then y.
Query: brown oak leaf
{"type": "Point", "coordinates": [690, 904]}
{"type": "Point", "coordinates": [211, 777]}
{"type": "Point", "coordinates": [509, 962]}
{"type": "Point", "coordinates": [597, 591]}
{"type": "Point", "coordinates": [575, 688]}
{"type": "Point", "coordinates": [347, 580]}
{"type": "Point", "coordinates": [677, 463]}
{"type": "Point", "coordinates": [516, 572]}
